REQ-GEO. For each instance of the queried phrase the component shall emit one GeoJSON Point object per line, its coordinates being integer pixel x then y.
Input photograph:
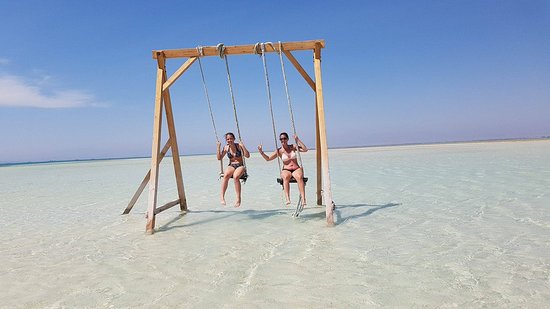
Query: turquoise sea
{"type": "Point", "coordinates": [434, 226]}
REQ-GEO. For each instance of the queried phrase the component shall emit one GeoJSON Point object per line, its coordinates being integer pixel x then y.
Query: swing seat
{"type": "Point", "coordinates": [292, 180]}
{"type": "Point", "coordinates": [243, 177]}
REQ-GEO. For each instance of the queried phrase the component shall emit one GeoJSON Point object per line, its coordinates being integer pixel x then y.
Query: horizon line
{"type": "Point", "coordinates": [6, 164]}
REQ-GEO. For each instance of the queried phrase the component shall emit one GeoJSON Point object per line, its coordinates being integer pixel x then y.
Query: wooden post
{"type": "Point", "coordinates": [175, 151]}
{"type": "Point", "coordinates": [318, 155]}
{"type": "Point", "coordinates": [327, 193]}
{"type": "Point", "coordinates": [153, 181]}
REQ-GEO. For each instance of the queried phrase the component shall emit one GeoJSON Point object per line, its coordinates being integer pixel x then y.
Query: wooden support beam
{"type": "Point", "coordinates": [175, 150]}
{"type": "Point", "coordinates": [237, 50]}
{"type": "Point", "coordinates": [327, 193]}
{"type": "Point", "coordinates": [145, 180]}
{"type": "Point", "coordinates": [166, 206]}
{"type": "Point", "coordinates": [318, 156]}
{"type": "Point", "coordinates": [300, 69]}
{"type": "Point", "coordinates": [153, 183]}
{"type": "Point", "coordinates": [178, 73]}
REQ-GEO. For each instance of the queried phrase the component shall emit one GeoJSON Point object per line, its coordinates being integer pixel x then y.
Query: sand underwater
{"type": "Point", "coordinates": [434, 226]}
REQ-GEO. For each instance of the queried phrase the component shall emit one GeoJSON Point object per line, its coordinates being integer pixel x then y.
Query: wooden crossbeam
{"type": "Point", "coordinates": [178, 73]}
{"type": "Point", "coordinates": [300, 69]}
{"type": "Point", "coordinates": [145, 180]}
{"type": "Point", "coordinates": [237, 49]}
{"type": "Point", "coordinates": [166, 206]}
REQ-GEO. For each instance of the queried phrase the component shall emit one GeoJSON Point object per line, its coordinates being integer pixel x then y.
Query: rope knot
{"type": "Point", "coordinates": [221, 50]}
{"type": "Point", "coordinates": [258, 48]}
{"type": "Point", "coordinates": [200, 50]}
{"type": "Point", "coordinates": [269, 44]}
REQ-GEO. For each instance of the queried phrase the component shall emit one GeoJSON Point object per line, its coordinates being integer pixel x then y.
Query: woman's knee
{"type": "Point", "coordinates": [238, 173]}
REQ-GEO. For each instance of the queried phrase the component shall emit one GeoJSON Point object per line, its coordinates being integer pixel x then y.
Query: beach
{"type": "Point", "coordinates": [462, 225]}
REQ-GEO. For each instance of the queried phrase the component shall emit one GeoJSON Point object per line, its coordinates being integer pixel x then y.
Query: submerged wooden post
{"type": "Point", "coordinates": [174, 147]}
{"type": "Point", "coordinates": [318, 155]}
{"type": "Point", "coordinates": [322, 136]}
{"type": "Point", "coordinates": [157, 126]}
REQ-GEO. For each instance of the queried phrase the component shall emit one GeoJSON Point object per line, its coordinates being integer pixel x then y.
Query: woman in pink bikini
{"type": "Point", "coordinates": [290, 164]}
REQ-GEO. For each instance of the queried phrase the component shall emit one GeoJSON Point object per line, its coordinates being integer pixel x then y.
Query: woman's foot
{"type": "Point", "coordinates": [287, 202]}
{"type": "Point", "coordinates": [222, 201]}
{"type": "Point", "coordinates": [237, 203]}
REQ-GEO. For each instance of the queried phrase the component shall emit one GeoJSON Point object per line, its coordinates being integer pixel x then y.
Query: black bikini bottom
{"type": "Point", "coordinates": [235, 165]}
{"type": "Point", "coordinates": [286, 169]}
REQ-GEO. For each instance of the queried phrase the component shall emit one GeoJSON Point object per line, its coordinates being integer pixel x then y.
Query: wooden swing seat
{"type": "Point", "coordinates": [292, 180]}
{"type": "Point", "coordinates": [243, 177]}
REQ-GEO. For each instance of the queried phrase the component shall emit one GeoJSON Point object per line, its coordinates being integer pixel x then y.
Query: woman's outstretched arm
{"type": "Point", "coordinates": [266, 157]}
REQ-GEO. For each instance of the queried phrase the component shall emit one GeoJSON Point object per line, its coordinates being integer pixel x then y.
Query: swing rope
{"type": "Point", "coordinates": [221, 52]}
{"type": "Point", "coordinates": [300, 205]}
{"type": "Point", "coordinates": [259, 48]}
{"type": "Point", "coordinates": [201, 53]}
{"type": "Point", "coordinates": [280, 52]}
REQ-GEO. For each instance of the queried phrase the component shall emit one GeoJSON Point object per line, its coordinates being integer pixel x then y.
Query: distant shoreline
{"type": "Point", "coordinates": [526, 139]}
{"type": "Point", "coordinates": [544, 138]}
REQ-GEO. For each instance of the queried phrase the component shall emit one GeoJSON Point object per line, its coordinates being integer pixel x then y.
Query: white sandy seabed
{"type": "Point", "coordinates": [431, 226]}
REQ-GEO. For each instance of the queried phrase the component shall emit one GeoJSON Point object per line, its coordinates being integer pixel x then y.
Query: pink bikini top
{"type": "Point", "coordinates": [286, 157]}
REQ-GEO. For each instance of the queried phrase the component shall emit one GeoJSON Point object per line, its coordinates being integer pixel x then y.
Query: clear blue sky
{"type": "Point", "coordinates": [77, 79]}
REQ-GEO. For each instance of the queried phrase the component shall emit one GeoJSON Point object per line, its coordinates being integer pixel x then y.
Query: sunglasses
{"type": "Point", "coordinates": [283, 138]}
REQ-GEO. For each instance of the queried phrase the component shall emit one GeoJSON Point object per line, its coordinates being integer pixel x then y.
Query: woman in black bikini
{"type": "Point", "coordinates": [236, 169]}
{"type": "Point", "coordinates": [290, 164]}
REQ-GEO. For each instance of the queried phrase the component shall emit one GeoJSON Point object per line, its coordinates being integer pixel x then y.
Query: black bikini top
{"type": "Point", "coordinates": [237, 153]}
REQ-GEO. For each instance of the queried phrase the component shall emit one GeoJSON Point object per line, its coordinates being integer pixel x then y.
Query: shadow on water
{"type": "Point", "coordinates": [250, 213]}
{"type": "Point", "coordinates": [264, 214]}
{"type": "Point", "coordinates": [371, 209]}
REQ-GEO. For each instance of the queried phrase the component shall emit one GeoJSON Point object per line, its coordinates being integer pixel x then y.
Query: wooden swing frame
{"type": "Point", "coordinates": [163, 101]}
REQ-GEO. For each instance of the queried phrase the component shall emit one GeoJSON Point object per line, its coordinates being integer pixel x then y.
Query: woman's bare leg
{"type": "Point", "coordinates": [225, 180]}
{"type": "Point", "coordinates": [299, 176]}
{"type": "Point", "coordinates": [286, 175]}
{"type": "Point", "coordinates": [237, 178]}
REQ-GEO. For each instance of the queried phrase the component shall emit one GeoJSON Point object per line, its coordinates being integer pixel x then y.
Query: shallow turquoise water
{"type": "Point", "coordinates": [436, 226]}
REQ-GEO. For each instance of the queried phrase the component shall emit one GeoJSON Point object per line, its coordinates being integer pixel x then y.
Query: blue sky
{"type": "Point", "coordinates": [77, 78]}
